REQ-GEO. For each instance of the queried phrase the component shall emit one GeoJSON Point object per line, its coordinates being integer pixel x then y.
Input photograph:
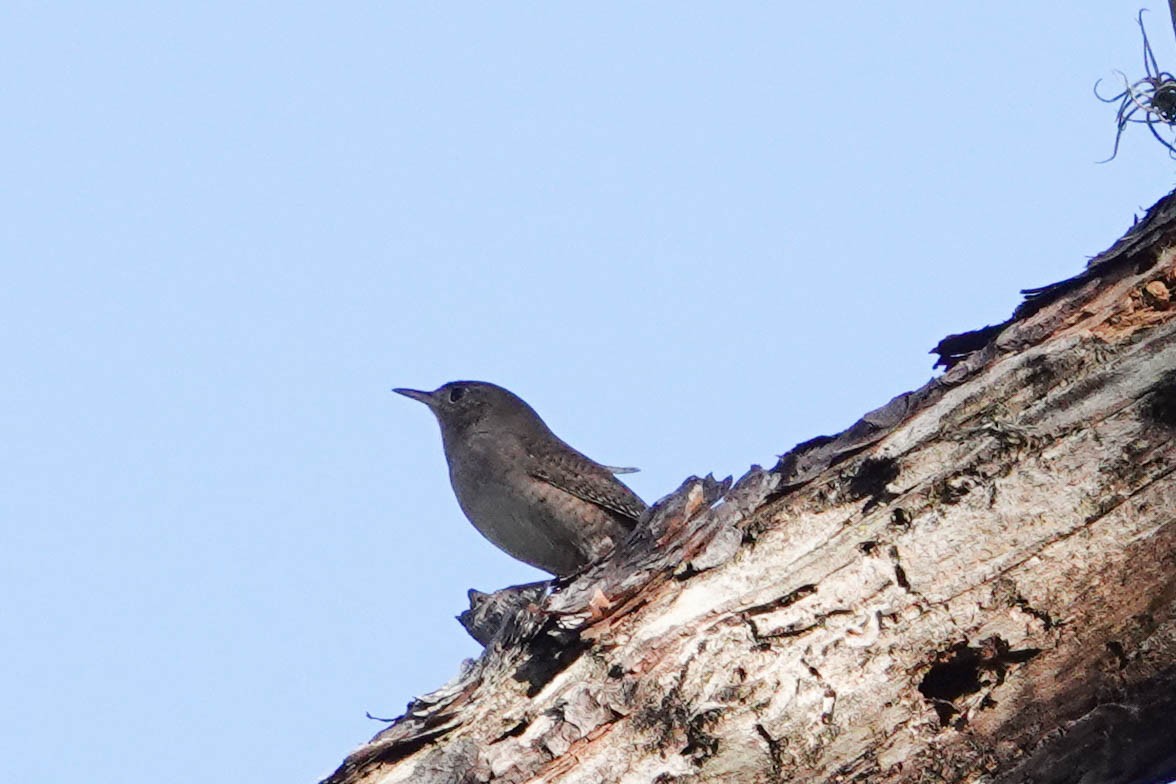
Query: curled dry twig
{"type": "Point", "coordinates": [1154, 96]}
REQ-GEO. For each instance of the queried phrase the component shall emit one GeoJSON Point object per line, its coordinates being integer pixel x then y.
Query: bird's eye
{"type": "Point", "coordinates": [456, 394]}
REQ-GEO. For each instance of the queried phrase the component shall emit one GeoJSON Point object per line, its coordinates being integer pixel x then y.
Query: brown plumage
{"type": "Point", "coordinates": [521, 486]}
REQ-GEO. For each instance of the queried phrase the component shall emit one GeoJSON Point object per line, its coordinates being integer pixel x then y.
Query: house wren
{"type": "Point", "coordinates": [524, 489]}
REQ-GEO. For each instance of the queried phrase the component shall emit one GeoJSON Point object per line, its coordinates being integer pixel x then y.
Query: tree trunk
{"type": "Point", "coordinates": [976, 582]}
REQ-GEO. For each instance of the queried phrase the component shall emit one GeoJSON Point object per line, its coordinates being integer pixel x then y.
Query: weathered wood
{"type": "Point", "coordinates": [975, 582]}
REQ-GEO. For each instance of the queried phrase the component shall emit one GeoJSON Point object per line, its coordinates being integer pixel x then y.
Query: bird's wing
{"type": "Point", "coordinates": [574, 473]}
{"type": "Point", "coordinates": [619, 470]}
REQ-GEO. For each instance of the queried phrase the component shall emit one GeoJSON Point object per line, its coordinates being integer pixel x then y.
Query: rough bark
{"type": "Point", "coordinates": [976, 582]}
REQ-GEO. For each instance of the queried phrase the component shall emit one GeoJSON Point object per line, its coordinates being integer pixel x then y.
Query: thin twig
{"type": "Point", "coordinates": [1172, 12]}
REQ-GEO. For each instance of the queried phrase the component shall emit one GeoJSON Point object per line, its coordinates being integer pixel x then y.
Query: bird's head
{"type": "Point", "coordinates": [474, 406]}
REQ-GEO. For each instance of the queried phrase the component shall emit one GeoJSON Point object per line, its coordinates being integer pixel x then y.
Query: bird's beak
{"type": "Point", "coordinates": [416, 394]}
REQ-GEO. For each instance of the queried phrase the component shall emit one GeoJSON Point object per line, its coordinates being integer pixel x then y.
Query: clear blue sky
{"type": "Point", "coordinates": [690, 235]}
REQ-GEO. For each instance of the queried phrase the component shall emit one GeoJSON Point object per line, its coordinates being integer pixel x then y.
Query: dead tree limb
{"type": "Point", "coordinates": [976, 582]}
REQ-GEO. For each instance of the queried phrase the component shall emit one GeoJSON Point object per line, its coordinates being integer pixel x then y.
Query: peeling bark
{"type": "Point", "coordinates": [976, 582]}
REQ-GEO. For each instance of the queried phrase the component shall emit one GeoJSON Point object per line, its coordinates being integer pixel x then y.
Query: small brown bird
{"type": "Point", "coordinates": [524, 489]}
